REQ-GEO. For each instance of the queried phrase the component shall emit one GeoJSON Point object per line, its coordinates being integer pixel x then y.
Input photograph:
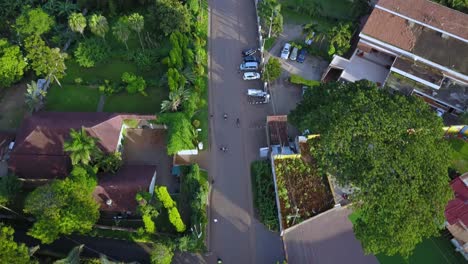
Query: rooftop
{"type": "Point", "coordinates": [457, 209]}
{"type": "Point", "coordinates": [430, 13]}
{"type": "Point", "coordinates": [278, 130]}
{"type": "Point", "coordinates": [327, 238]}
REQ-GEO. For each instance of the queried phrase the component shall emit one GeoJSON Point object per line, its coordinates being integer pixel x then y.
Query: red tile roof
{"type": "Point", "coordinates": [457, 209]}
{"type": "Point", "coordinates": [122, 187]}
{"type": "Point", "coordinates": [430, 13]}
{"type": "Point", "coordinates": [38, 151]}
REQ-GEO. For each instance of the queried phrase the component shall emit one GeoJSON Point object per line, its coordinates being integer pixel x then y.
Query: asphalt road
{"type": "Point", "coordinates": [236, 237]}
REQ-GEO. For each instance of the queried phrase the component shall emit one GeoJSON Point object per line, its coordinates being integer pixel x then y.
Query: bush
{"type": "Point", "coordinates": [149, 224]}
{"type": "Point", "coordinates": [196, 123]}
{"type": "Point", "coordinates": [264, 194]}
{"type": "Point", "coordinates": [176, 220]}
{"type": "Point", "coordinates": [78, 80]}
{"type": "Point", "coordinates": [161, 254]}
{"type": "Point", "coordinates": [9, 187]}
{"type": "Point", "coordinates": [296, 79]}
{"type": "Point", "coordinates": [164, 197]}
{"type": "Point", "coordinates": [90, 52]}
{"type": "Point", "coordinates": [144, 59]}
{"type": "Point", "coordinates": [272, 70]}
{"type": "Point", "coordinates": [110, 163]}
{"type": "Point", "coordinates": [134, 83]}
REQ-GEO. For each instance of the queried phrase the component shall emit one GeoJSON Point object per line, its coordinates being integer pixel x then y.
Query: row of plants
{"type": "Point", "coordinates": [264, 194]}
{"type": "Point", "coordinates": [297, 79]}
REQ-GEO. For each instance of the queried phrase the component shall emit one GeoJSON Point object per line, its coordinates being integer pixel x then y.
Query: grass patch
{"type": "Point", "coordinates": [72, 98]}
{"type": "Point", "coordinates": [333, 9]}
{"type": "Point", "coordinates": [296, 79]}
{"type": "Point", "coordinates": [269, 42]}
{"type": "Point", "coordinates": [136, 103]}
{"type": "Point", "coordinates": [459, 155]}
{"type": "Point", "coordinates": [435, 250]}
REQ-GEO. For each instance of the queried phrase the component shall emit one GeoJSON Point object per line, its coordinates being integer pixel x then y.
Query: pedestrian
{"type": "Point", "coordinates": [212, 181]}
{"type": "Point", "coordinates": [211, 115]}
{"type": "Point", "coordinates": [215, 220]}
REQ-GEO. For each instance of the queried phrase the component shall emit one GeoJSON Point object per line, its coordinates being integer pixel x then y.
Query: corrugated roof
{"type": "Point", "coordinates": [430, 13]}
{"type": "Point", "coordinates": [457, 209]}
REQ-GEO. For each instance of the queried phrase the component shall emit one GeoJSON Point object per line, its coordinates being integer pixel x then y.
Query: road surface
{"type": "Point", "coordinates": [236, 237]}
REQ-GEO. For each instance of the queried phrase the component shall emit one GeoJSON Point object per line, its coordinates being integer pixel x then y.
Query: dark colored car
{"type": "Point", "coordinates": [249, 52]}
{"type": "Point", "coordinates": [301, 56]}
{"type": "Point", "coordinates": [250, 59]}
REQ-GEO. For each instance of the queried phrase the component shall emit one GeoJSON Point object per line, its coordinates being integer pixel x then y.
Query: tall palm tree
{"type": "Point", "coordinates": [121, 30]}
{"type": "Point", "coordinates": [137, 23]}
{"type": "Point", "coordinates": [77, 22]}
{"type": "Point", "coordinates": [176, 98]}
{"type": "Point", "coordinates": [98, 25]}
{"type": "Point", "coordinates": [34, 96]}
{"type": "Point", "coordinates": [81, 147]}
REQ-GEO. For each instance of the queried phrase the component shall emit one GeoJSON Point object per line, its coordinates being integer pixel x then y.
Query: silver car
{"type": "Point", "coordinates": [285, 51]}
{"type": "Point", "coordinates": [251, 76]}
{"type": "Point", "coordinates": [293, 56]}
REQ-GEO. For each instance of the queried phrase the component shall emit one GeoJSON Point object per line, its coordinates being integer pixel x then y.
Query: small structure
{"type": "Point", "coordinates": [456, 214]}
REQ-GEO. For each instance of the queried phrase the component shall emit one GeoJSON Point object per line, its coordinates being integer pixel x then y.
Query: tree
{"type": "Point", "coordinates": [34, 96]}
{"type": "Point", "coordinates": [180, 133]}
{"type": "Point", "coordinates": [339, 38]}
{"type": "Point", "coordinates": [44, 60]}
{"type": "Point", "coordinates": [81, 146]}
{"type": "Point", "coordinates": [391, 149]}
{"type": "Point", "coordinates": [12, 63]}
{"type": "Point", "coordinates": [61, 207]}
{"type": "Point", "coordinates": [34, 21]}
{"type": "Point", "coordinates": [169, 16]}
{"type": "Point", "coordinates": [134, 83]}
{"type": "Point", "coordinates": [161, 254]}
{"type": "Point", "coordinates": [272, 70]}
{"type": "Point", "coordinates": [77, 22]}
{"type": "Point", "coordinates": [121, 30]}
{"type": "Point", "coordinates": [73, 256]}
{"type": "Point", "coordinates": [270, 16]}
{"type": "Point", "coordinates": [98, 25]}
{"type": "Point", "coordinates": [10, 251]}
{"type": "Point", "coordinates": [9, 187]}
{"type": "Point", "coordinates": [136, 23]}
{"type": "Point", "coordinates": [176, 98]}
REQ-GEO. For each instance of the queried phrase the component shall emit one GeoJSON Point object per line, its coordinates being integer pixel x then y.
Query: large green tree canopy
{"type": "Point", "coordinates": [12, 63]}
{"type": "Point", "coordinates": [168, 16]}
{"type": "Point", "coordinates": [63, 206]}
{"type": "Point", "coordinates": [10, 251]}
{"type": "Point", "coordinates": [34, 21]}
{"type": "Point", "coordinates": [391, 148]}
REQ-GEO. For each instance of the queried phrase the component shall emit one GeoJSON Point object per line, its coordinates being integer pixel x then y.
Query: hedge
{"type": "Point", "coordinates": [296, 79]}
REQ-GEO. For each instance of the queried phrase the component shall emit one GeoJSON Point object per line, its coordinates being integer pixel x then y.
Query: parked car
{"type": "Point", "coordinates": [250, 59]}
{"type": "Point", "coordinates": [285, 51]}
{"type": "Point", "coordinates": [249, 52]}
{"type": "Point", "coordinates": [251, 76]}
{"type": "Point", "coordinates": [249, 66]}
{"type": "Point", "coordinates": [301, 56]}
{"type": "Point", "coordinates": [293, 56]}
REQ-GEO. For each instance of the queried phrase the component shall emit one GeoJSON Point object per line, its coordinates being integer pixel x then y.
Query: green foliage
{"type": "Point", "coordinates": [90, 52]}
{"type": "Point", "coordinates": [264, 194]}
{"type": "Point", "coordinates": [196, 123]}
{"type": "Point", "coordinates": [34, 21]}
{"type": "Point", "coordinates": [108, 88]}
{"type": "Point", "coordinates": [34, 96]}
{"type": "Point", "coordinates": [44, 60]}
{"type": "Point", "coordinates": [10, 251]}
{"type": "Point", "coordinates": [193, 6]}
{"type": "Point", "coordinates": [147, 210]}
{"type": "Point", "coordinates": [161, 254]}
{"type": "Point", "coordinates": [270, 14]}
{"type": "Point", "coordinates": [98, 25]}
{"type": "Point", "coordinates": [176, 220]}
{"type": "Point", "coordinates": [12, 63]}
{"type": "Point", "coordinates": [109, 163]}
{"type": "Point", "coordinates": [180, 133]}
{"type": "Point", "coordinates": [175, 80]}
{"type": "Point", "coordinates": [339, 38]}
{"type": "Point", "coordinates": [61, 207]}
{"type": "Point", "coordinates": [136, 23]}
{"type": "Point", "coordinates": [9, 187]}
{"type": "Point", "coordinates": [81, 146]}
{"type": "Point", "coordinates": [176, 99]}
{"type": "Point", "coordinates": [73, 256]}
{"type": "Point", "coordinates": [272, 70]}
{"type": "Point", "coordinates": [168, 16]}
{"type": "Point", "coordinates": [85, 176]}
{"type": "Point", "coordinates": [390, 147]}
{"type": "Point", "coordinates": [77, 22]}
{"type": "Point", "coordinates": [150, 227]}
{"type": "Point", "coordinates": [134, 83]}
{"type": "Point", "coordinates": [121, 30]}
{"type": "Point", "coordinates": [460, 5]}
{"type": "Point", "coordinates": [296, 79]}
{"type": "Point", "coordinates": [164, 197]}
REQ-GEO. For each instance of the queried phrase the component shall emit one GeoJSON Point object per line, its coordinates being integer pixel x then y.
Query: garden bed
{"type": "Point", "coordinates": [301, 186]}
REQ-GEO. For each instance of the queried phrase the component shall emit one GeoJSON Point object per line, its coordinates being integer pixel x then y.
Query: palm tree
{"type": "Point", "coordinates": [137, 23]}
{"type": "Point", "coordinates": [98, 25]}
{"type": "Point", "coordinates": [176, 98]}
{"type": "Point", "coordinates": [121, 30]}
{"type": "Point", "coordinates": [77, 22]}
{"type": "Point", "coordinates": [34, 96]}
{"type": "Point", "coordinates": [81, 147]}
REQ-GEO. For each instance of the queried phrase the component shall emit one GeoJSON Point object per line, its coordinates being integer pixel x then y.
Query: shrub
{"type": "Point", "coordinates": [161, 254]}
{"type": "Point", "coordinates": [78, 80]}
{"type": "Point", "coordinates": [149, 224]}
{"type": "Point", "coordinates": [144, 59]}
{"type": "Point", "coordinates": [264, 194]}
{"type": "Point", "coordinates": [196, 123]}
{"type": "Point", "coordinates": [164, 197]}
{"type": "Point", "coordinates": [296, 79]}
{"type": "Point", "coordinates": [9, 187]}
{"type": "Point", "coordinates": [110, 163]}
{"type": "Point", "coordinates": [174, 218]}
{"type": "Point", "coordinates": [134, 83]}
{"type": "Point", "coordinates": [109, 88]}
{"type": "Point", "coordinates": [90, 52]}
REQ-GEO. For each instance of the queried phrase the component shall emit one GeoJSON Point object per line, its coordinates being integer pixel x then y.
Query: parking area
{"type": "Point", "coordinates": [148, 147]}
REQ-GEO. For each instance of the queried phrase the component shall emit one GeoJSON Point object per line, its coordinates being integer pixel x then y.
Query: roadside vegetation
{"type": "Point", "coordinates": [460, 5]}
{"type": "Point", "coordinates": [264, 194]}
{"type": "Point", "coordinates": [390, 147]}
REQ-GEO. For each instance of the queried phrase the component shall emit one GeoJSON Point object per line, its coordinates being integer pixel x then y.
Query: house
{"type": "Point", "coordinates": [456, 214]}
{"type": "Point", "coordinates": [415, 47]}
{"type": "Point", "coordinates": [38, 157]}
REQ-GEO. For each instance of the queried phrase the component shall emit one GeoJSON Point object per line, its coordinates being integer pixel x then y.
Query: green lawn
{"type": "Point", "coordinates": [136, 103]}
{"type": "Point", "coordinates": [269, 42]}
{"type": "Point", "coordinates": [460, 155]}
{"type": "Point", "coordinates": [435, 250]}
{"type": "Point", "coordinates": [72, 98]}
{"type": "Point", "coordinates": [339, 9]}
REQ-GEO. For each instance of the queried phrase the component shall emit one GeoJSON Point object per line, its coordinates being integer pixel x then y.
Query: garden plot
{"type": "Point", "coordinates": [303, 192]}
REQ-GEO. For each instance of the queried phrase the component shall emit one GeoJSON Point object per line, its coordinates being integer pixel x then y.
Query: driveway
{"type": "Point", "coordinates": [236, 237]}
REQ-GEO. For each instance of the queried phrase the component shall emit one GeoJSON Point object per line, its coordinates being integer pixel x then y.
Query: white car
{"type": "Point", "coordinates": [285, 51]}
{"type": "Point", "coordinates": [293, 56]}
{"type": "Point", "coordinates": [251, 76]}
